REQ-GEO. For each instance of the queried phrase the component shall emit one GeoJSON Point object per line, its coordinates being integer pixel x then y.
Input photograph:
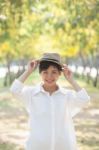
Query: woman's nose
{"type": "Point", "coordinates": [49, 75]}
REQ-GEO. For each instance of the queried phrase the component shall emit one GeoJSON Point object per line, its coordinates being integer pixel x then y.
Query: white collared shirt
{"type": "Point", "coordinates": [50, 116]}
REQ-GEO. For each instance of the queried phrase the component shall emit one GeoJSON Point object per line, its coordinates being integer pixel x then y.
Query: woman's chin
{"type": "Point", "coordinates": [50, 83]}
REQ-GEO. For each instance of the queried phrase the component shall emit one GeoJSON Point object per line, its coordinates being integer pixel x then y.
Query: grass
{"type": "Point", "coordinates": [34, 78]}
{"type": "Point", "coordinates": [14, 127]}
{"type": "Point", "coordinates": [9, 146]}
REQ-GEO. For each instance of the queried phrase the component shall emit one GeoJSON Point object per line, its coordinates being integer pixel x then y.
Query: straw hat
{"type": "Point", "coordinates": [52, 57]}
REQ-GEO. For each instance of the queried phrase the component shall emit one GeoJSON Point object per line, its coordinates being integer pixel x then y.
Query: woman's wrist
{"type": "Point", "coordinates": [27, 72]}
{"type": "Point", "coordinates": [75, 85]}
{"type": "Point", "coordinates": [24, 76]}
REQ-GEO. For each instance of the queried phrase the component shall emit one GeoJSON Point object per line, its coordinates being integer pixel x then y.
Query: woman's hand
{"type": "Point", "coordinates": [67, 73]}
{"type": "Point", "coordinates": [32, 65]}
{"type": "Point", "coordinates": [69, 76]}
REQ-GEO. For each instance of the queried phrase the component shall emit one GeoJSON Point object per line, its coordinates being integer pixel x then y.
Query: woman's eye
{"type": "Point", "coordinates": [54, 72]}
{"type": "Point", "coordinates": [45, 72]}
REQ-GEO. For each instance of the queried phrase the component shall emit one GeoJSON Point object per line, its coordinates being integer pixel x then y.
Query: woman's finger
{"type": "Point", "coordinates": [32, 64]}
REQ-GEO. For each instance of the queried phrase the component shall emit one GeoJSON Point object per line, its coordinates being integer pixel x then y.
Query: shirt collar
{"type": "Point", "coordinates": [39, 88]}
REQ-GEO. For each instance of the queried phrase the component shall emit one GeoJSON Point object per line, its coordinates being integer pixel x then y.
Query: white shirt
{"type": "Point", "coordinates": [50, 116]}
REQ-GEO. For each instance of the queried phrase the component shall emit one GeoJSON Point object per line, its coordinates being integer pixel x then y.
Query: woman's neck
{"type": "Point", "coordinates": [50, 89]}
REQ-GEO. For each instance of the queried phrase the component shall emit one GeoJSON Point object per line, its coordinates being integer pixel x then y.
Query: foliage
{"type": "Point", "coordinates": [31, 27]}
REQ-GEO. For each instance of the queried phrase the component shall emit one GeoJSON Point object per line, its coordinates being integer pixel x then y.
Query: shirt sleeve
{"type": "Point", "coordinates": [77, 100]}
{"type": "Point", "coordinates": [21, 92]}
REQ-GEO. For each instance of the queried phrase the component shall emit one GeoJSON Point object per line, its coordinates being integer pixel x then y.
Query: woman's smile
{"type": "Point", "coordinates": [49, 81]}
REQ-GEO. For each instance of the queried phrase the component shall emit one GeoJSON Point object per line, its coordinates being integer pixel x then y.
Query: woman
{"type": "Point", "coordinates": [50, 106]}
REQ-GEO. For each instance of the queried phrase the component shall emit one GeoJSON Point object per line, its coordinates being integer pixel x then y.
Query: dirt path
{"type": "Point", "coordinates": [14, 127]}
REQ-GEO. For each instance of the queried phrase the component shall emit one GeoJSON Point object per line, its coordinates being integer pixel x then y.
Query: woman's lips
{"type": "Point", "coordinates": [49, 81]}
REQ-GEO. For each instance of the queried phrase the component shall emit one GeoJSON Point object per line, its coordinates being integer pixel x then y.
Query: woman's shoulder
{"type": "Point", "coordinates": [34, 88]}
{"type": "Point", "coordinates": [66, 90]}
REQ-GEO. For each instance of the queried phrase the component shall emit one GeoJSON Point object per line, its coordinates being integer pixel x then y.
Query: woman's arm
{"type": "Point", "coordinates": [30, 68]}
{"type": "Point", "coordinates": [18, 89]}
{"type": "Point", "coordinates": [69, 76]}
{"type": "Point", "coordinates": [77, 98]}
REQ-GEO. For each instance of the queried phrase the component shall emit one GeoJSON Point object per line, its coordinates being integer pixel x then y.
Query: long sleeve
{"type": "Point", "coordinates": [21, 92]}
{"type": "Point", "coordinates": [77, 100]}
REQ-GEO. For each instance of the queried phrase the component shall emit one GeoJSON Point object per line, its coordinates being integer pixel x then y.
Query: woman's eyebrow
{"type": "Point", "coordinates": [54, 69]}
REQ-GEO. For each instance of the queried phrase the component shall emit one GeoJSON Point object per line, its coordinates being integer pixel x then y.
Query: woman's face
{"type": "Point", "coordinates": [50, 76]}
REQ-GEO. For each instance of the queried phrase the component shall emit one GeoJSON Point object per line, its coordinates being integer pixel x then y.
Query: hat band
{"type": "Point", "coordinates": [50, 59]}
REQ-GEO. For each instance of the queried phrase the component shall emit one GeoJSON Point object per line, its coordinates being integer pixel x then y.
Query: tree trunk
{"type": "Point", "coordinates": [96, 80]}
{"type": "Point", "coordinates": [8, 78]}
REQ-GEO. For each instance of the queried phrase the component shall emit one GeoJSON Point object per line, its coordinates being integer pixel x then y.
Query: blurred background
{"type": "Point", "coordinates": [28, 28]}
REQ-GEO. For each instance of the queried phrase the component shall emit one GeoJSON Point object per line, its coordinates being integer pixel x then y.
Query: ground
{"type": "Point", "coordinates": [14, 127]}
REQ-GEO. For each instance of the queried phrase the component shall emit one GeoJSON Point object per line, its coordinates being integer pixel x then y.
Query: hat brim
{"type": "Point", "coordinates": [51, 61]}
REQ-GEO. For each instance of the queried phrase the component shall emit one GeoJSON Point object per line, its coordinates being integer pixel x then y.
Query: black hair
{"type": "Point", "coordinates": [44, 65]}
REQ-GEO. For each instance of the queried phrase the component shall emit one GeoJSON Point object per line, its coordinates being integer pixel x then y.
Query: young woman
{"type": "Point", "coordinates": [50, 106]}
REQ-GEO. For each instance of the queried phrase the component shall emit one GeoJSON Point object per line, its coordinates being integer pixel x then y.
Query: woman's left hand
{"type": "Point", "coordinates": [67, 73]}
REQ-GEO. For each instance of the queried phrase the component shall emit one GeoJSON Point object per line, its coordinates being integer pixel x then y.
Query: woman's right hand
{"type": "Point", "coordinates": [32, 65]}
